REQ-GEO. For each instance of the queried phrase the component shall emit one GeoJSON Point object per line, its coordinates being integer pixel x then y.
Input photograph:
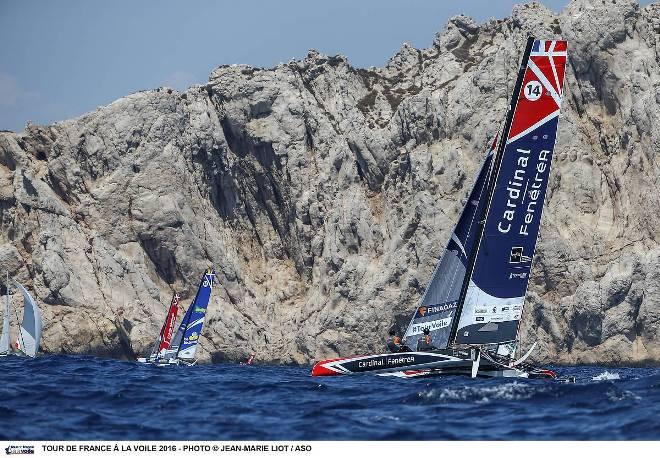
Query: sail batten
{"type": "Point", "coordinates": [494, 291]}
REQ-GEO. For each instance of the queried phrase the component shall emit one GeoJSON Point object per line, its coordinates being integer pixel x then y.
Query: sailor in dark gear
{"type": "Point", "coordinates": [424, 342]}
{"type": "Point", "coordinates": [395, 344]}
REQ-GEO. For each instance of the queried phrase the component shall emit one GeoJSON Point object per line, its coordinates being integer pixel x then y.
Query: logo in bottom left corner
{"type": "Point", "coordinates": [19, 450]}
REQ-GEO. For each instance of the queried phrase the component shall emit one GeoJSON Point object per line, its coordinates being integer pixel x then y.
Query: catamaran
{"type": "Point", "coordinates": [473, 304]}
{"type": "Point", "coordinates": [29, 333]}
{"type": "Point", "coordinates": [162, 345]}
{"type": "Point", "coordinates": [182, 348]}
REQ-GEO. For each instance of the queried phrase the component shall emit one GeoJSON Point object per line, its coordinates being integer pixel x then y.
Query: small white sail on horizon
{"type": "Point", "coordinates": [29, 334]}
{"type": "Point", "coordinates": [4, 333]}
{"type": "Point", "coordinates": [30, 331]}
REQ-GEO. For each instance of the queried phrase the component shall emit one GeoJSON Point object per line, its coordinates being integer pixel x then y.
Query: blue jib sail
{"type": "Point", "coordinates": [493, 301]}
{"type": "Point", "coordinates": [437, 309]}
{"type": "Point", "coordinates": [190, 328]}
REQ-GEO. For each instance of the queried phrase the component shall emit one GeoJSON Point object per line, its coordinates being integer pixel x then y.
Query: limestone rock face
{"type": "Point", "coordinates": [323, 195]}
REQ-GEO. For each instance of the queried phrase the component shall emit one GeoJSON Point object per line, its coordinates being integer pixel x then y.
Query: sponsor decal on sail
{"type": "Point", "coordinates": [418, 328]}
{"type": "Point", "coordinates": [435, 309]}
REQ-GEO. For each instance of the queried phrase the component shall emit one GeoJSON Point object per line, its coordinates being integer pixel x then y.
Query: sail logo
{"type": "Point", "coordinates": [535, 192]}
{"type": "Point", "coordinates": [418, 328]}
{"type": "Point", "coordinates": [533, 91]}
{"type": "Point", "coordinates": [517, 257]}
{"type": "Point", "coordinates": [200, 310]}
{"type": "Point", "coordinates": [192, 338]}
{"type": "Point", "coordinates": [515, 189]}
{"type": "Point", "coordinates": [433, 309]}
{"type": "Point", "coordinates": [522, 190]}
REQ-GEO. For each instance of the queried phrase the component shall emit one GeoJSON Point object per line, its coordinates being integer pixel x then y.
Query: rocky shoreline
{"type": "Point", "coordinates": [323, 194]}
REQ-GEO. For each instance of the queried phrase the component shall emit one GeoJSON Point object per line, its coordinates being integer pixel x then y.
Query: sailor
{"type": "Point", "coordinates": [424, 342]}
{"type": "Point", "coordinates": [248, 362]}
{"type": "Point", "coordinates": [394, 342]}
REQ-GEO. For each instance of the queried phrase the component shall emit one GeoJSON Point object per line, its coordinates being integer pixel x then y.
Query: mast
{"type": "Point", "coordinates": [491, 184]}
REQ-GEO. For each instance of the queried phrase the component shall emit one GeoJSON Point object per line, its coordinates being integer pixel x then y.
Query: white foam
{"type": "Point", "coordinates": [386, 418]}
{"type": "Point", "coordinates": [606, 376]}
{"type": "Point", "coordinates": [509, 391]}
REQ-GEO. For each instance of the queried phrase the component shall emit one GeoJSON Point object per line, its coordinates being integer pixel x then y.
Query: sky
{"type": "Point", "coordinates": [60, 59]}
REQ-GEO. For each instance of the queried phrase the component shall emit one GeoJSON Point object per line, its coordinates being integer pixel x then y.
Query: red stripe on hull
{"type": "Point", "coordinates": [320, 370]}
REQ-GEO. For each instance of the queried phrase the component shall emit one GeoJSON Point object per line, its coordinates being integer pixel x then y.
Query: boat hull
{"type": "Point", "coordinates": [166, 362]}
{"type": "Point", "coordinates": [488, 373]}
{"type": "Point", "coordinates": [386, 362]}
{"type": "Point", "coordinates": [424, 364]}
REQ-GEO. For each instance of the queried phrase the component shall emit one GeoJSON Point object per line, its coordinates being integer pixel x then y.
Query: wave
{"type": "Point", "coordinates": [514, 391]}
{"type": "Point", "coordinates": [85, 398]}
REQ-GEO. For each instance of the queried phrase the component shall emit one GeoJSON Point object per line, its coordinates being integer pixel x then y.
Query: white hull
{"type": "Point", "coordinates": [427, 364]}
{"type": "Point", "coordinates": [166, 362]}
{"type": "Point", "coordinates": [18, 354]}
{"type": "Point", "coordinates": [506, 373]}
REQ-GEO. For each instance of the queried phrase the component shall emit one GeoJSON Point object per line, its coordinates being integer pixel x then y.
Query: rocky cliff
{"type": "Point", "coordinates": [323, 195]}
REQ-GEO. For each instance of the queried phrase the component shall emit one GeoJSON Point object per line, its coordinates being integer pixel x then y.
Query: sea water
{"type": "Point", "coordinates": [88, 398]}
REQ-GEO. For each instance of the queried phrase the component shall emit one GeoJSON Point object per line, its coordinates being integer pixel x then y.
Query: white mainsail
{"type": "Point", "coordinates": [30, 332]}
{"type": "Point", "coordinates": [4, 334]}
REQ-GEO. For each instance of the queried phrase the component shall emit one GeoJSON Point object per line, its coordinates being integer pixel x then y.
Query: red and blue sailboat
{"type": "Point", "coordinates": [472, 307]}
{"type": "Point", "coordinates": [181, 348]}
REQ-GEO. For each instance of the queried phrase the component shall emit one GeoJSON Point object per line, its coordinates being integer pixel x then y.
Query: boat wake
{"type": "Point", "coordinates": [606, 376]}
{"type": "Point", "coordinates": [514, 391]}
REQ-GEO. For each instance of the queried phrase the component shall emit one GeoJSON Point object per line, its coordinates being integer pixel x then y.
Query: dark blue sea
{"type": "Point", "coordinates": [88, 398]}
